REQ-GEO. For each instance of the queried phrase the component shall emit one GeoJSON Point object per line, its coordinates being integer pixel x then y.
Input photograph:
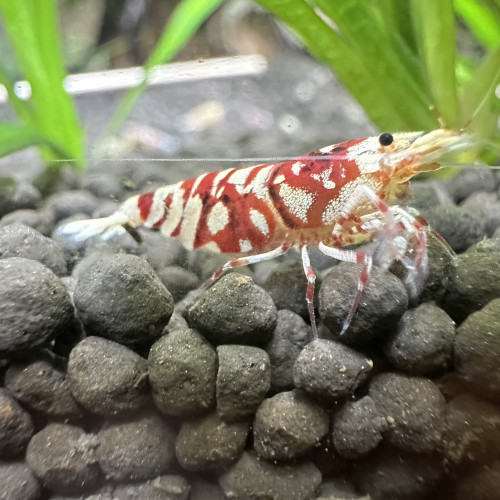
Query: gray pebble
{"type": "Point", "coordinates": [35, 306]}
{"type": "Point", "coordinates": [414, 409]}
{"type": "Point", "coordinates": [389, 474]}
{"type": "Point", "coordinates": [16, 195]}
{"type": "Point", "coordinates": [18, 240]}
{"type": "Point", "coordinates": [423, 343]}
{"type": "Point", "coordinates": [470, 180]}
{"type": "Point", "coordinates": [340, 488]}
{"type": "Point", "coordinates": [168, 487]}
{"type": "Point", "coordinates": [457, 225]}
{"type": "Point", "coordinates": [17, 482]}
{"type": "Point", "coordinates": [383, 302]}
{"type": "Point", "coordinates": [290, 336]}
{"type": "Point", "coordinates": [472, 433]}
{"type": "Point", "coordinates": [202, 489]}
{"type": "Point", "coordinates": [182, 373]}
{"type": "Point", "coordinates": [208, 443]}
{"type": "Point", "coordinates": [243, 380]}
{"type": "Point", "coordinates": [234, 311]}
{"type": "Point", "coordinates": [428, 194]}
{"type": "Point", "coordinates": [477, 350]}
{"type": "Point", "coordinates": [16, 426]}
{"type": "Point", "coordinates": [287, 426]}
{"type": "Point", "coordinates": [122, 299]}
{"type": "Point", "coordinates": [329, 370]}
{"type": "Point", "coordinates": [287, 286]}
{"type": "Point", "coordinates": [107, 378]}
{"type": "Point", "coordinates": [161, 251]}
{"type": "Point", "coordinates": [63, 458]}
{"type": "Point", "coordinates": [178, 281]}
{"type": "Point", "coordinates": [485, 206]}
{"type": "Point", "coordinates": [357, 428]}
{"type": "Point", "coordinates": [40, 387]}
{"type": "Point", "coordinates": [480, 484]}
{"type": "Point", "coordinates": [102, 185]}
{"type": "Point", "coordinates": [472, 283]}
{"type": "Point", "coordinates": [67, 203]}
{"type": "Point", "coordinates": [253, 479]}
{"type": "Point", "coordinates": [28, 217]}
{"type": "Point", "coordinates": [135, 450]}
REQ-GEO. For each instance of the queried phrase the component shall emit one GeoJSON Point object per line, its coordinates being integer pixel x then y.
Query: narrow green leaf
{"type": "Point", "coordinates": [435, 24]}
{"type": "Point", "coordinates": [482, 21]}
{"type": "Point", "coordinates": [17, 137]}
{"type": "Point", "coordinates": [363, 27]}
{"type": "Point", "coordinates": [32, 29]}
{"type": "Point", "coordinates": [327, 45]}
{"type": "Point", "coordinates": [185, 20]}
{"type": "Point", "coordinates": [478, 97]}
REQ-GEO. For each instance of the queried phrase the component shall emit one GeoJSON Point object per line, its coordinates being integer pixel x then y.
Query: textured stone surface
{"type": "Point", "coordinates": [35, 306]}
{"type": "Point", "coordinates": [234, 311]}
{"type": "Point", "coordinates": [122, 299]}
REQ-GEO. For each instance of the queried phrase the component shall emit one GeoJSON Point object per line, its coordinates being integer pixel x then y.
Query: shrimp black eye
{"type": "Point", "coordinates": [385, 139]}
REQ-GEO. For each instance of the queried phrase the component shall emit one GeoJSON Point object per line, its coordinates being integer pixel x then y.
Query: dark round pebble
{"type": "Point", "coordinates": [17, 482]}
{"type": "Point", "coordinates": [472, 283]}
{"type": "Point", "coordinates": [287, 426]}
{"type": "Point", "coordinates": [243, 380]}
{"type": "Point", "coordinates": [28, 217]}
{"type": "Point", "coordinates": [107, 378]}
{"type": "Point", "coordinates": [16, 427]}
{"type": "Point", "coordinates": [40, 387]}
{"type": "Point", "coordinates": [35, 306]}
{"type": "Point", "coordinates": [485, 206]}
{"type": "Point", "coordinates": [287, 286]}
{"type": "Point", "coordinates": [423, 343]}
{"type": "Point", "coordinates": [383, 302]}
{"type": "Point", "coordinates": [208, 443]}
{"type": "Point", "coordinates": [481, 484]}
{"type": "Point", "coordinates": [182, 373]}
{"type": "Point", "coordinates": [18, 240]}
{"type": "Point", "coordinates": [329, 370]}
{"type": "Point", "coordinates": [62, 457]}
{"type": "Point", "coordinates": [457, 225]}
{"type": "Point", "coordinates": [234, 311]}
{"type": "Point", "coordinates": [472, 433]}
{"type": "Point", "coordinates": [357, 428]}
{"type": "Point", "coordinates": [178, 281]}
{"type": "Point", "coordinates": [477, 350]}
{"type": "Point", "coordinates": [389, 474]}
{"type": "Point", "coordinates": [135, 450]}
{"type": "Point", "coordinates": [102, 185]}
{"type": "Point", "coordinates": [428, 194]}
{"type": "Point", "coordinates": [122, 299]}
{"type": "Point", "coordinates": [290, 336]}
{"type": "Point", "coordinates": [168, 487]}
{"type": "Point", "coordinates": [251, 478]}
{"type": "Point", "coordinates": [67, 203]}
{"type": "Point", "coordinates": [16, 195]}
{"type": "Point", "coordinates": [414, 409]}
{"type": "Point", "coordinates": [468, 181]}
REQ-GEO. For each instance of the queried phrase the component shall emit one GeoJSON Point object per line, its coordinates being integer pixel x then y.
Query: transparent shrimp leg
{"type": "Point", "coordinates": [311, 280]}
{"type": "Point", "coordinates": [359, 256]}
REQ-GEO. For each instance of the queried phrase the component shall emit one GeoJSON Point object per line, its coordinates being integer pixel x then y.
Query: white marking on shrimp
{"type": "Point", "coordinates": [297, 167]}
{"type": "Point", "coordinates": [217, 218]}
{"type": "Point", "coordinates": [190, 219]}
{"type": "Point", "coordinates": [324, 177]}
{"type": "Point", "coordinates": [259, 221]}
{"type": "Point", "coordinates": [297, 200]}
{"type": "Point", "coordinates": [245, 246]}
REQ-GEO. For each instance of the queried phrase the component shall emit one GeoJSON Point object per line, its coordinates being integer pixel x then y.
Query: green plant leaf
{"type": "Point", "coordinates": [482, 21]}
{"type": "Point", "coordinates": [185, 20]}
{"type": "Point", "coordinates": [32, 29]}
{"type": "Point", "coordinates": [17, 137]}
{"type": "Point", "coordinates": [435, 25]}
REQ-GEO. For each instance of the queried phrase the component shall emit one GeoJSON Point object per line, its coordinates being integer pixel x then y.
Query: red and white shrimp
{"type": "Point", "coordinates": [343, 194]}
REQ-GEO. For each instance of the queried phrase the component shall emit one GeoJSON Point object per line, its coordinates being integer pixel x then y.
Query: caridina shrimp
{"type": "Point", "coordinates": [340, 195]}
